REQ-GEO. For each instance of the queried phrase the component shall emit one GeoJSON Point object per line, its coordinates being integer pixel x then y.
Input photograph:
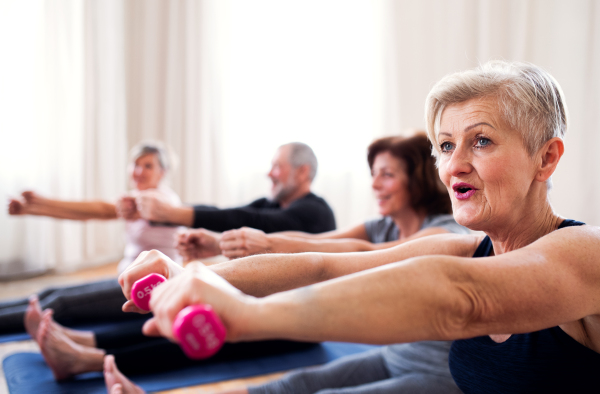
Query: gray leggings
{"type": "Point", "coordinates": [356, 374]}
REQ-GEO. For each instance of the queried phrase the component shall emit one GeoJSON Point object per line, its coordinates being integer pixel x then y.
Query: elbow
{"type": "Point", "coordinates": [460, 316]}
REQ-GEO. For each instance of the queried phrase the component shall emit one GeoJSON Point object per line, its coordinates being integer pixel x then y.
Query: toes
{"type": "Point", "coordinates": [116, 389]}
{"type": "Point", "coordinates": [116, 382]}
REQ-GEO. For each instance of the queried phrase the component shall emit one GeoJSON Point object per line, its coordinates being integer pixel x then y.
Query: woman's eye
{"type": "Point", "coordinates": [446, 146]}
{"type": "Point", "coordinates": [483, 142]}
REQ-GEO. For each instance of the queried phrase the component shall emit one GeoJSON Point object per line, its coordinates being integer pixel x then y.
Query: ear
{"type": "Point", "coordinates": [550, 155]}
{"type": "Point", "coordinates": [302, 172]}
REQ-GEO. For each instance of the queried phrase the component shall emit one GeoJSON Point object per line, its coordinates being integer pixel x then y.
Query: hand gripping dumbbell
{"type": "Point", "coordinates": [198, 329]}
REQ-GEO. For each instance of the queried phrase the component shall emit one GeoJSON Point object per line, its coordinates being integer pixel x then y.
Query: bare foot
{"type": "Point", "coordinates": [65, 357]}
{"type": "Point", "coordinates": [116, 382]}
{"type": "Point", "coordinates": [33, 316]}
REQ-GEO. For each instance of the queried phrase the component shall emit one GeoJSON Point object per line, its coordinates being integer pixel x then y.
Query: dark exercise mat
{"type": "Point", "coordinates": [28, 372]}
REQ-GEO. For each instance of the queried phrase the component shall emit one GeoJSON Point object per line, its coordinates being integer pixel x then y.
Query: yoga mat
{"type": "Point", "coordinates": [27, 373]}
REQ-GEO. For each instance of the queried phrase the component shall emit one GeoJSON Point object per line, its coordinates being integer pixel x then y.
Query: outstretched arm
{"type": "Point", "coordinates": [553, 281]}
{"type": "Point", "coordinates": [34, 204]}
{"type": "Point", "coordinates": [247, 241]}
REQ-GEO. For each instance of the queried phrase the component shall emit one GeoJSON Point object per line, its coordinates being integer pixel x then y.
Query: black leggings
{"type": "Point", "coordinates": [88, 303]}
{"type": "Point", "coordinates": [137, 354]}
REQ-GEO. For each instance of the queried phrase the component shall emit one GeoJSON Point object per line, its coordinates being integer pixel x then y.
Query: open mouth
{"type": "Point", "coordinates": [463, 190]}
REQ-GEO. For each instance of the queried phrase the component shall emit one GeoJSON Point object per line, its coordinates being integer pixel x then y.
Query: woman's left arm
{"type": "Point", "coordinates": [552, 281]}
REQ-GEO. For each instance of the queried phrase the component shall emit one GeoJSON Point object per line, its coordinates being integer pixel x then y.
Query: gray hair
{"type": "Point", "coordinates": [151, 148]}
{"type": "Point", "coordinates": [302, 154]}
{"type": "Point", "coordinates": [529, 100]}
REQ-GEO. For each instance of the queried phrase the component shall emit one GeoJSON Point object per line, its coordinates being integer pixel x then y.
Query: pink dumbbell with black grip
{"type": "Point", "coordinates": [197, 327]}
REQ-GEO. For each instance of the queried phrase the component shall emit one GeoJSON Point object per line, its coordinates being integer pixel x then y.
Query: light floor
{"type": "Point", "coordinates": [23, 288]}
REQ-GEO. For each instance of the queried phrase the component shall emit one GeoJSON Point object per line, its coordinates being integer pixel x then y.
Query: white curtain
{"type": "Point", "coordinates": [224, 82]}
{"type": "Point", "coordinates": [63, 111]}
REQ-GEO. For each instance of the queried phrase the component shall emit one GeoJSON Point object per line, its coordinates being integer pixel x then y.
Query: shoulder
{"type": "Point", "coordinates": [379, 223]}
{"type": "Point", "coordinates": [262, 203]}
{"type": "Point", "coordinates": [573, 240]}
{"type": "Point", "coordinates": [310, 199]}
{"type": "Point", "coordinates": [169, 194]}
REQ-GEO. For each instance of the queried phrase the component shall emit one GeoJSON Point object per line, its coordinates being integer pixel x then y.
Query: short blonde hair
{"type": "Point", "coordinates": [529, 100]}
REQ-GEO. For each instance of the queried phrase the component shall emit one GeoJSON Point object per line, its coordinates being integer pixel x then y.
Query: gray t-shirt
{"type": "Point", "coordinates": [427, 356]}
{"type": "Point", "coordinates": [384, 229]}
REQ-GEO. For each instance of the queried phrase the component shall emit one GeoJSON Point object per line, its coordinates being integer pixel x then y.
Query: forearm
{"type": "Point", "coordinates": [183, 216]}
{"type": "Point", "coordinates": [74, 210]}
{"type": "Point", "coordinates": [267, 274]}
{"type": "Point", "coordinates": [412, 301]}
{"type": "Point", "coordinates": [287, 244]}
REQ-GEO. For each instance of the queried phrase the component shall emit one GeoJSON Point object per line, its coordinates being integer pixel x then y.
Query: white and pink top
{"type": "Point", "coordinates": [141, 235]}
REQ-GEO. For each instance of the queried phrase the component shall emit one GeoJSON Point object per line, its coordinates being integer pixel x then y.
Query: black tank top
{"type": "Point", "coordinates": [546, 361]}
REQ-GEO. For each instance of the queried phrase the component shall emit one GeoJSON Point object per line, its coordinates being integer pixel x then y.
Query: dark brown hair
{"type": "Point", "coordinates": [428, 193]}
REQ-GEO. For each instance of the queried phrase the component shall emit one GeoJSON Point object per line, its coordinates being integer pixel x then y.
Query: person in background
{"type": "Point", "coordinates": [147, 170]}
{"type": "Point", "coordinates": [149, 166]}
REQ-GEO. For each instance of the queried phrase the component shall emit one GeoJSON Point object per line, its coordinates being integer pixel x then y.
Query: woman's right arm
{"type": "Point", "coordinates": [35, 204]}
{"type": "Point", "coordinates": [248, 241]}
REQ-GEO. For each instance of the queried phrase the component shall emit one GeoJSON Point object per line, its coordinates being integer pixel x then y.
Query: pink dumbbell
{"type": "Point", "coordinates": [198, 328]}
{"type": "Point", "coordinates": [141, 290]}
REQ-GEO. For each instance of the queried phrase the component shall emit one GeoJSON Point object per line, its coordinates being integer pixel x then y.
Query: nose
{"type": "Point", "coordinates": [459, 162]}
{"type": "Point", "coordinates": [375, 183]}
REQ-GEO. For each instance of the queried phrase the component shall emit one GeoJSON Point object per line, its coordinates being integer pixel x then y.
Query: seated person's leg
{"type": "Point", "coordinates": [86, 303]}
{"type": "Point", "coordinates": [350, 371]}
{"type": "Point", "coordinates": [413, 383]}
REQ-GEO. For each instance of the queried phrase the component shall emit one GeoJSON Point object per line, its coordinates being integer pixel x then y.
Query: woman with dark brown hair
{"type": "Point", "coordinates": [412, 201]}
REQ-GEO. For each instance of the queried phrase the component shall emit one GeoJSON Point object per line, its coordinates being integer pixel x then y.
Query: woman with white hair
{"type": "Point", "coordinates": [148, 168]}
{"type": "Point", "coordinates": [525, 311]}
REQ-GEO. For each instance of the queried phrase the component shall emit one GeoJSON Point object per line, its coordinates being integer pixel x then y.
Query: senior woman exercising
{"type": "Point", "coordinates": [99, 300]}
{"type": "Point", "coordinates": [525, 312]}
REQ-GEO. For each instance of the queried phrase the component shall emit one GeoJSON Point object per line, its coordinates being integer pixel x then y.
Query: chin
{"type": "Point", "coordinates": [384, 212]}
{"type": "Point", "coordinates": [470, 220]}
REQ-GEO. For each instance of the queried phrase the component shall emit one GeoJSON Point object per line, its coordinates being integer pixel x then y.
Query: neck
{"type": "Point", "coordinates": [301, 191]}
{"type": "Point", "coordinates": [408, 222]}
{"type": "Point", "coordinates": [524, 228]}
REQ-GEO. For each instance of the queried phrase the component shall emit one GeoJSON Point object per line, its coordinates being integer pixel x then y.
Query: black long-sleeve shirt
{"type": "Point", "coordinates": [309, 213]}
